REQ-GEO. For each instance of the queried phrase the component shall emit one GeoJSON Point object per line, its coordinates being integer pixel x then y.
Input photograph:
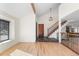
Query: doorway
{"type": "Point", "coordinates": [40, 30]}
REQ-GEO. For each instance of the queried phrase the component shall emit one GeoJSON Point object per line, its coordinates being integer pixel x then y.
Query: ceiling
{"type": "Point", "coordinates": [20, 10]}
{"type": "Point", "coordinates": [73, 18]}
{"type": "Point", "coordinates": [74, 23]}
{"type": "Point", "coordinates": [17, 10]}
{"type": "Point", "coordinates": [42, 8]}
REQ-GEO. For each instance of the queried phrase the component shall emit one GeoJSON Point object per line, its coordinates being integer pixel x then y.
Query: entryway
{"type": "Point", "coordinates": [40, 34]}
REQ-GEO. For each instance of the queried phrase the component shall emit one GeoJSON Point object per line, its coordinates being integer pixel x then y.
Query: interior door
{"type": "Point", "coordinates": [41, 30]}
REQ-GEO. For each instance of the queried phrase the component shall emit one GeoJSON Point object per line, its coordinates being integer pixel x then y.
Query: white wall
{"type": "Point", "coordinates": [67, 8]}
{"type": "Point", "coordinates": [17, 29]}
{"type": "Point", "coordinates": [44, 19]}
{"type": "Point", "coordinates": [22, 30]}
{"type": "Point", "coordinates": [27, 26]}
{"type": "Point", "coordinates": [7, 44]}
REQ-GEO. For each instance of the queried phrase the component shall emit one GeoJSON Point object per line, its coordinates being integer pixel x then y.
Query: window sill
{"type": "Point", "coordinates": [5, 41]}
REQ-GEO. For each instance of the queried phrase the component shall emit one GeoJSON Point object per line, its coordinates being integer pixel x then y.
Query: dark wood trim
{"type": "Point", "coordinates": [36, 31]}
{"type": "Point", "coordinates": [33, 7]}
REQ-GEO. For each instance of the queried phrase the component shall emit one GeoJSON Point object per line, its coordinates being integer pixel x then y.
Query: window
{"type": "Point", "coordinates": [4, 30]}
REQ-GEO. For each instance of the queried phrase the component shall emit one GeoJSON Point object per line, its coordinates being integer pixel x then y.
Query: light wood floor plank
{"type": "Point", "coordinates": [41, 49]}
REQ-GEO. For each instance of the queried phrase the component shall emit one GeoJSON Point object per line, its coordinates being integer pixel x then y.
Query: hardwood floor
{"type": "Point", "coordinates": [41, 49]}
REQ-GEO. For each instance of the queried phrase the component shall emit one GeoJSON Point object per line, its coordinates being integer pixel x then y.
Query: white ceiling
{"type": "Point", "coordinates": [42, 8]}
{"type": "Point", "coordinates": [74, 23]}
{"type": "Point", "coordinates": [18, 10]}
{"type": "Point", "coordinates": [74, 18]}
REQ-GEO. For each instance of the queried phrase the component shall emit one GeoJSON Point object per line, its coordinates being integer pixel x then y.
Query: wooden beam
{"type": "Point", "coordinates": [33, 7]}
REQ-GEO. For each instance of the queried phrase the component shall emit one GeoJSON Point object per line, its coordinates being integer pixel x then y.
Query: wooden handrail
{"type": "Point", "coordinates": [55, 26]}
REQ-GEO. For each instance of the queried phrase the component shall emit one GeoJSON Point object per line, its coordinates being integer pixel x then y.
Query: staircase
{"type": "Point", "coordinates": [55, 27]}
{"type": "Point", "coordinates": [52, 33]}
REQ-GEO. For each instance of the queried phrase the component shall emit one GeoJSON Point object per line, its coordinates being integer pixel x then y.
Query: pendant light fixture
{"type": "Point", "coordinates": [50, 18]}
